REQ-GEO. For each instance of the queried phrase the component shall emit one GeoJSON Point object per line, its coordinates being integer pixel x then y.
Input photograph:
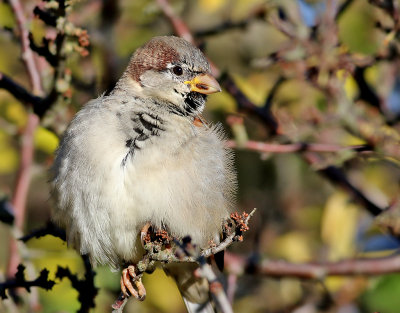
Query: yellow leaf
{"type": "Point", "coordinates": [222, 101]}
{"type": "Point", "coordinates": [372, 74]}
{"type": "Point", "coordinates": [350, 85]}
{"type": "Point", "coordinates": [211, 5]}
{"type": "Point", "coordinates": [293, 247]}
{"type": "Point", "coordinates": [253, 87]}
{"type": "Point", "coordinates": [6, 16]}
{"type": "Point", "coordinates": [338, 226]}
{"type": "Point", "coordinates": [8, 160]}
{"type": "Point", "coordinates": [46, 140]}
{"type": "Point", "coordinates": [162, 292]}
{"type": "Point", "coordinates": [16, 113]}
{"type": "Point", "coordinates": [8, 155]}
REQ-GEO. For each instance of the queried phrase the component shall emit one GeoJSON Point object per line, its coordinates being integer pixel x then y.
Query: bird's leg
{"type": "Point", "coordinates": [129, 275]}
{"type": "Point", "coordinates": [144, 234]}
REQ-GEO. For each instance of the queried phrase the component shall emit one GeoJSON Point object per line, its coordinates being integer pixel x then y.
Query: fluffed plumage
{"type": "Point", "coordinates": [137, 156]}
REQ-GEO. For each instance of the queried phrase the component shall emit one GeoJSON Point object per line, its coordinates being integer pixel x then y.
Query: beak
{"type": "Point", "coordinates": [204, 83]}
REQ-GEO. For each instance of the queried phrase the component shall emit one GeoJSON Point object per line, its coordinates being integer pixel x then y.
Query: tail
{"type": "Point", "coordinates": [195, 291]}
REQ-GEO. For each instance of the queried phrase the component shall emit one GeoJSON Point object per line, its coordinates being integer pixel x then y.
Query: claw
{"type": "Point", "coordinates": [143, 234]}
{"type": "Point", "coordinates": [127, 288]}
{"type": "Point", "coordinates": [126, 281]}
{"type": "Point", "coordinates": [141, 289]}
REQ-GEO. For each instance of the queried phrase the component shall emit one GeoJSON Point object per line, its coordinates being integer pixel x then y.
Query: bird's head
{"type": "Point", "coordinates": [173, 71]}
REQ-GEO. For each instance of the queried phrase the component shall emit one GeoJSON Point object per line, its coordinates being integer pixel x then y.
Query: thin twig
{"type": "Point", "coordinates": [256, 14]}
{"type": "Point", "coordinates": [231, 287]}
{"type": "Point", "coordinates": [216, 288]}
{"type": "Point", "coordinates": [352, 267]}
{"type": "Point", "coordinates": [228, 83]}
{"type": "Point", "coordinates": [27, 54]}
{"type": "Point", "coordinates": [178, 24]}
{"type": "Point", "coordinates": [228, 240]}
{"type": "Point", "coordinates": [181, 29]}
{"type": "Point", "coordinates": [295, 147]}
{"type": "Point", "coordinates": [235, 227]}
{"type": "Point", "coordinates": [20, 194]}
{"type": "Point", "coordinates": [23, 176]}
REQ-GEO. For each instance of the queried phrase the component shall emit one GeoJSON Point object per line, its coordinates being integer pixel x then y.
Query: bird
{"type": "Point", "coordinates": [144, 154]}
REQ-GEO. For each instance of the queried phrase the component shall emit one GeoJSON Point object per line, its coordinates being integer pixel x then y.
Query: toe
{"type": "Point", "coordinates": [141, 290]}
{"type": "Point", "coordinates": [127, 284]}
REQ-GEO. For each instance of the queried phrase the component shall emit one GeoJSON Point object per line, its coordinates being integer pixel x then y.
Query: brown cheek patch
{"type": "Point", "coordinates": [154, 55]}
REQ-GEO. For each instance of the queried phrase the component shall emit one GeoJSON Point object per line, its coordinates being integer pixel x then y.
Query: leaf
{"type": "Point", "coordinates": [46, 140]}
{"type": "Point", "coordinates": [339, 214]}
{"type": "Point", "coordinates": [7, 19]}
{"type": "Point", "coordinates": [383, 296]}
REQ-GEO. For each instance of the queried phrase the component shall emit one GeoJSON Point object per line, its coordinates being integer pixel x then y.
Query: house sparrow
{"type": "Point", "coordinates": [140, 155]}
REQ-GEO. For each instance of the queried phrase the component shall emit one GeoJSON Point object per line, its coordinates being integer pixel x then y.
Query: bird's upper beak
{"type": "Point", "coordinates": [204, 83]}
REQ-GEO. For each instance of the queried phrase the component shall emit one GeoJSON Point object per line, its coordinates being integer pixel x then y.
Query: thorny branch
{"type": "Point", "coordinates": [85, 287]}
{"type": "Point", "coordinates": [42, 281]}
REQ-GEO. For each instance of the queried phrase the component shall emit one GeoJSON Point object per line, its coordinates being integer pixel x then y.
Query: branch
{"type": "Point", "coordinates": [23, 176]}
{"type": "Point", "coordinates": [19, 281]}
{"type": "Point", "coordinates": [160, 247]}
{"type": "Point", "coordinates": [18, 91]}
{"type": "Point", "coordinates": [216, 287]}
{"type": "Point", "coordinates": [366, 92]}
{"type": "Point", "coordinates": [338, 177]}
{"type": "Point", "coordinates": [179, 25]}
{"type": "Point", "coordinates": [242, 101]}
{"type": "Point", "coordinates": [49, 229]}
{"type": "Point", "coordinates": [85, 287]}
{"type": "Point", "coordinates": [272, 93]}
{"type": "Point", "coordinates": [352, 267]}
{"type": "Point", "coordinates": [295, 147]}
{"type": "Point", "coordinates": [235, 227]}
{"type": "Point", "coordinates": [263, 113]}
{"type": "Point", "coordinates": [27, 55]}
{"type": "Point", "coordinates": [20, 194]}
{"type": "Point", "coordinates": [257, 14]}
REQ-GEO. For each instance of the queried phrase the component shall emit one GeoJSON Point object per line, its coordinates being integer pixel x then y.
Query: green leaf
{"type": "Point", "coordinates": [383, 295]}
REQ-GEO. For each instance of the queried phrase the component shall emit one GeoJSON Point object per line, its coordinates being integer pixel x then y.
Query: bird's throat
{"type": "Point", "coordinates": [194, 102]}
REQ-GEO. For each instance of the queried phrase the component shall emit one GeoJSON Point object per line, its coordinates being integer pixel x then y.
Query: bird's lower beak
{"type": "Point", "coordinates": [204, 83]}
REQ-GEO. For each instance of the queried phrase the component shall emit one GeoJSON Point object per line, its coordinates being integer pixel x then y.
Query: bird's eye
{"type": "Point", "coordinates": [178, 71]}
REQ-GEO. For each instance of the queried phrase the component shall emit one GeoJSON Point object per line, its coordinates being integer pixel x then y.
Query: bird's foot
{"type": "Point", "coordinates": [136, 289]}
{"type": "Point", "coordinates": [145, 234]}
{"type": "Point", "coordinates": [151, 235]}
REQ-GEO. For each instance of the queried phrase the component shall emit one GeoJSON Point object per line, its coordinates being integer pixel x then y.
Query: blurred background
{"type": "Point", "coordinates": [318, 81]}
